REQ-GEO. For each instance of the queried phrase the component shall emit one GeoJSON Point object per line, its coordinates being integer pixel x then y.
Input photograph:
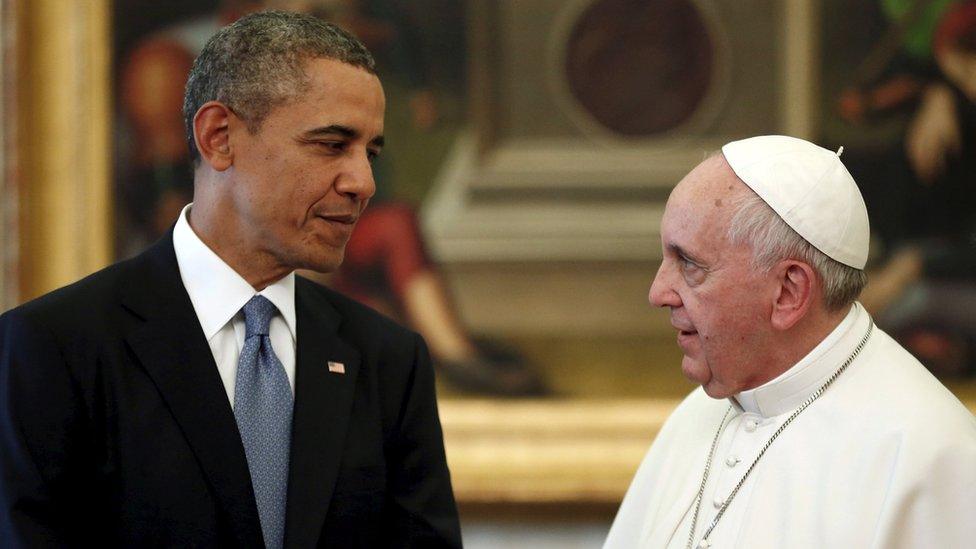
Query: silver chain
{"type": "Point", "coordinates": [708, 463]}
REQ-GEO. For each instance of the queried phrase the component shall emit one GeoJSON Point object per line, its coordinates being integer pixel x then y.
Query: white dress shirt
{"type": "Point", "coordinates": [218, 294]}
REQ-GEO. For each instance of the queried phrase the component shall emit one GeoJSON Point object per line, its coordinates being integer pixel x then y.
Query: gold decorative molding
{"type": "Point", "coordinates": [64, 120]}
{"type": "Point", "coordinates": [553, 452]}
{"type": "Point", "coordinates": [548, 451]}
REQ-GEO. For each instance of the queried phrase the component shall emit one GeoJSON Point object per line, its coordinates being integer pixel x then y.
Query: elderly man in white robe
{"type": "Point", "coordinates": [812, 427]}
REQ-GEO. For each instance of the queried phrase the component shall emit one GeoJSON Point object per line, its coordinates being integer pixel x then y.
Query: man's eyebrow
{"type": "Point", "coordinates": [344, 131]}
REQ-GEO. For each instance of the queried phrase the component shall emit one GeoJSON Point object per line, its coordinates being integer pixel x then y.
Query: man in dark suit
{"type": "Point", "coordinates": [201, 394]}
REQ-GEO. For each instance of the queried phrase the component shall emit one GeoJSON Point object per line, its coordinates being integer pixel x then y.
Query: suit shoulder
{"type": "Point", "coordinates": [86, 296]}
{"type": "Point", "coordinates": [72, 322]}
{"type": "Point", "coordinates": [354, 312]}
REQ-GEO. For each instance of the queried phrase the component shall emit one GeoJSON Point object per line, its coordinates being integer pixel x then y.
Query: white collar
{"type": "Point", "coordinates": [792, 387]}
{"type": "Point", "coordinates": [216, 290]}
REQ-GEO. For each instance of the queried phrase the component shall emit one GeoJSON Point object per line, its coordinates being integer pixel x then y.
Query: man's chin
{"type": "Point", "coordinates": [323, 263]}
{"type": "Point", "coordinates": [695, 370]}
{"type": "Point", "coordinates": [698, 372]}
{"type": "Point", "coordinates": [716, 391]}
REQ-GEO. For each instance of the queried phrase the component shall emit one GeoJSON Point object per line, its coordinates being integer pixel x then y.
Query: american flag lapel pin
{"type": "Point", "coordinates": [337, 367]}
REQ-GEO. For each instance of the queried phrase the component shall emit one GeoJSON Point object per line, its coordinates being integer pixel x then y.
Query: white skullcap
{"type": "Point", "coordinates": [810, 189]}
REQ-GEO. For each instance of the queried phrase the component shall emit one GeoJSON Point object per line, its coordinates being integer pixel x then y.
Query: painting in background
{"type": "Point", "coordinates": [892, 88]}
{"type": "Point", "coordinates": [899, 91]}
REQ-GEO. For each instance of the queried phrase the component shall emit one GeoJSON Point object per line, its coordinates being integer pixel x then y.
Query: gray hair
{"type": "Point", "coordinates": [258, 63]}
{"type": "Point", "coordinates": [753, 222]}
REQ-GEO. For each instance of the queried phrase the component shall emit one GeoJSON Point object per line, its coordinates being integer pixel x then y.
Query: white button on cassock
{"type": "Point", "coordinates": [732, 461]}
{"type": "Point", "coordinates": [718, 503]}
{"type": "Point", "coordinates": [751, 425]}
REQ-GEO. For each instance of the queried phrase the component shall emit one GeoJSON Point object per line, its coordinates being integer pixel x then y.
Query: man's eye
{"type": "Point", "coordinates": [332, 146]}
{"type": "Point", "coordinates": [692, 272]}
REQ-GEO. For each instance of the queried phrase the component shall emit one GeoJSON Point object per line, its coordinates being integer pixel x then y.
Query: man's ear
{"type": "Point", "coordinates": [211, 131]}
{"type": "Point", "coordinates": [795, 295]}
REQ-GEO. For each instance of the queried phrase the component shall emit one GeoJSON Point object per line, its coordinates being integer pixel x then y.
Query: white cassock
{"type": "Point", "coordinates": [885, 458]}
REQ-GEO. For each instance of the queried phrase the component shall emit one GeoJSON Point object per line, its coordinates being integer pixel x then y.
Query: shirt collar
{"type": "Point", "coordinates": [792, 387]}
{"type": "Point", "coordinates": [216, 290]}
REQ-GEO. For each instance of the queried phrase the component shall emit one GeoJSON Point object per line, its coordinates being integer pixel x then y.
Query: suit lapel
{"type": "Point", "coordinates": [323, 404]}
{"type": "Point", "coordinates": [170, 345]}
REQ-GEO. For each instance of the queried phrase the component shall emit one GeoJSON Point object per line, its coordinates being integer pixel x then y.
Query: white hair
{"type": "Point", "coordinates": [754, 223]}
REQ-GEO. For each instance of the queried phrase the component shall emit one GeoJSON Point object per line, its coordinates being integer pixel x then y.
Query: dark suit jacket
{"type": "Point", "coordinates": [115, 428]}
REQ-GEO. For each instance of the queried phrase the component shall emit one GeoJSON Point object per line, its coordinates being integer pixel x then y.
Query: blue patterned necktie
{"type": "Point", "coordinates": [263, 406]}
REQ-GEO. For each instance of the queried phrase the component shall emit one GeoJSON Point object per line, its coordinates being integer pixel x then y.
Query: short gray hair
{"type": "Point", "coordinates": [754, 223]}
{"type": "Point", "coordinates": [258, 63]}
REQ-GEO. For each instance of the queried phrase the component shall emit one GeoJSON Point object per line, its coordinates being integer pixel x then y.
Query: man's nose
{"type": "Point", "coordinates": [356, 180]}
{"type": "Point", "coordinates": [662, 293]}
